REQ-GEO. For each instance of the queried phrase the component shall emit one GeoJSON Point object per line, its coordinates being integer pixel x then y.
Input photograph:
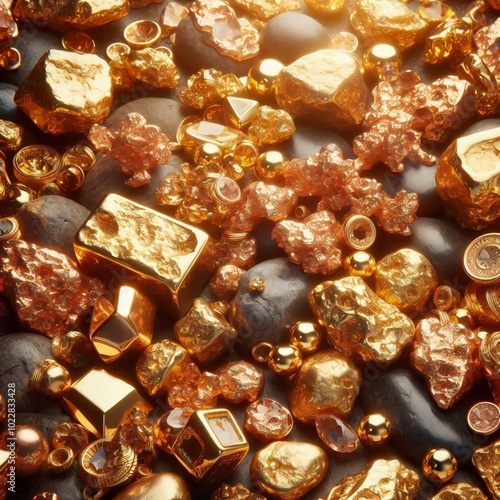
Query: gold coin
{"type": "Point", "coordinates": [484, 418]}
{"type": "Point", "coordinates": [482, 259]}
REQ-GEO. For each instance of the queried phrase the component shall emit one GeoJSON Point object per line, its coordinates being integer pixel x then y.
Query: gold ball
{"type": "Point", "coordinates": [50, 378]}
{"type": "Point", "coordinates": [270, 166]}
{"type": "Point", "coordinates": [380, 55]}
{"type": "Point", "coordinates": [360, 264]}
{"type": "Point", "coordinates": [32, 449]}
{"type": "Point", "coordinates": [374, 430]}
{"type": "Point", "coordinates": [306, 336]}
{"type": "Point", "coordinates": [439, 465]}
{"type": "Point", "coordinates": [208, 154]}
{"type": "Point", "coordinates": [261, 79]}
{"type": "Point", "coordinates": [462, 316]}
{"type": "Point", "coordinates": [285, 360]}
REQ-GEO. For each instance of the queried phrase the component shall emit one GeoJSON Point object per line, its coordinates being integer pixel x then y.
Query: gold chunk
{"type": "Point", "coordinates": [11, 135]}
{"type": "Point", "coordinates": [452, 39]}
{"type": "Point", "coordinates": [123, 324]}
{"type": "Point", "coordinates": [162, 255]}
{"type": "Point", "coordinates": [66, 92]}
{"type": "Point", "coordinates": [211, 445]}
{"type": "Point", "coordinates": [485, 460]}
{"type": "Point", "coordinates": [158, 486]}
{"type": "Point", "coordinates": [271, 126]}
{"type": "Point", "coordinates": [325, 6]}
{"type": "Point", "coordinates": [265, 9]}
{"type": "Point", "coordinates": [459, 491]}
{"type": "Point", "coordinates": [154, 66]}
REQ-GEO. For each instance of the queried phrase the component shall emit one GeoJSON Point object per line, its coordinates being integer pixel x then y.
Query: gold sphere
{"type": "Point", "coordinates": [307, 336]}
{"type": "Point", "coordinates": [270, 166]}
{"type": "Point", "coordinates": [374, 430]}
{"type": "Point", "coordinates": [261, 79]}
{"type": "Point", "coordinates": [439, 465]}
{"type": "Point", "coordinates": [378, 56]}
{"type": "Point", "coordinates": [32, 449]}
{"type": "Point", "coordinates": [50, 378]}
{"type": "Point", "coordinates": [360, 264]}
{"type": "Point", "coordinates": [208, 153]}
{"type": "Point", "coordinates": [285, 360]}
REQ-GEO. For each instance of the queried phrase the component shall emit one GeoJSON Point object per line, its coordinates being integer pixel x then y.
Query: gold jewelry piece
{"type": "Point", "coordinates": [359, 232]}
{"type": "Point", "coordinates": [60, 460]}
{"type": "Point", "coordinates": [9, 229]}
{"type": "Point", "coordinates": [482, 259]}
{"type": "Point", "coordinates": [50, 378]}
{"type": "Point", "coordinates": [70, 178]}
{"type": "Point", "coordinates": [79, 155]}
{"type": "Point", "coordinates": [79, 42]}
{"type": "Point", "coordinates": [73, 348]}
{"type": "Point", "coordinates": [142, 34]}
{"type": "Point", "coordinates": [36, 165]}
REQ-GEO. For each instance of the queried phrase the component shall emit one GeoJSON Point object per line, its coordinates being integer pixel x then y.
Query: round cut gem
{"type": "Point", "coordinates": [336, 434]}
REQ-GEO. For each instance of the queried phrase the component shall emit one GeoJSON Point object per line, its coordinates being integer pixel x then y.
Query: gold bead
{"type": "Point", "coordinates": [31, 450]}
{"type": "Point", "coordinates": [379, 56]}
{"type": "Point", "coordinates": [306, 336]}
{"type": "Point", "coordinates": [141, 34]}
{"type": "Point", "coordinates": [374, 430]}
{"type": "Point", "coordinates": [285, 360]}
{"type": "Point", "coordinates": [50, 378]}
{"type": "Point", "coordinates": [270, 166]}
{"type": "Point", "coordinates": [262, 77]}
{"type": "Point", "coordinates": [301, 212]}
{"type": "Point", "coordinates": [360, 264]}
{"type": "Point", "coordinates": [359, 232]}
{"type": "Point", "coordinates": [60, 460]}
{"type": "Point", "coordinates": [207, 153]}
{"type": "Point", "coordinates": [439, 465]}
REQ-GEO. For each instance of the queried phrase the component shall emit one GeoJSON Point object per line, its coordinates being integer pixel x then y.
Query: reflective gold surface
{"type": "Point", "coordinates": [485, 460]}
{"type": "Point", "coordinates": [489, 357]}
{"type": "Point", "coordinates": [358, 323]}
{"type": "Point", "coordinates": [161, 254]}
{"type": "Point", "coordinates": [239, 111]}
{"type": "Point", "coordinates": [36, 165]}
{"type": "Point", "coordinates": [56, 95]}
{"type": "Point", "coordinates": [159, 486]}
{"type": "Point", "coordinates": [482, 259]}
{"type": "Point", "coordinates": [439, 466]}
{"type": "Point", "coordinates": [265, 9]}
{"type": "Point", "coordinates": [11, 135]}
{"type": "Point", "coordinates": [60, 460]}
{"type": "Point", "coordinates": [288, 470]}
{"type": "Point", "coordinates": [99, 401]}
{"type": "Point", "coordinates": [142, 34]}
{"type": "Point", "coordinates": [374, 430]}
{"type": "Point", "coordinates": [380, 480]}
{"type": "Point", "coordinates": [483, 302]}
{"type": "Point", "coordinates": [459, 491]}
{"type": "Point", "coordinates": [50, 378]}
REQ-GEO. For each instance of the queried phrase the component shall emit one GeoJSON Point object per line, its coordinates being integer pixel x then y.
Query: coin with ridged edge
{"type": "Point", "coordinates": [482, 259]}
{"type": "Point", "coordinates": [484, 418]}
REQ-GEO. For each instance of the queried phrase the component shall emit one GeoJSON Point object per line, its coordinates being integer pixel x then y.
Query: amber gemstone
{"type": "Point", "coordinates": [336, 434]}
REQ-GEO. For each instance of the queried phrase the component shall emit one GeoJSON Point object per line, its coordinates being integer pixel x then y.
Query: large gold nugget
{"type": "Point", "coordinates": [380, 480]}
{"type": "Point", "coordinates": [163, 256]}
{"type": "Point", "coordinates": [71, 15]}
{"type": "Point", "coordinates": [327, 86]}
{"type": "Point", "coordinates": [486, 462]}
{"type": "Point", "coordinates": [359, 324]}
{"type": "Point", "coordinates": [390, 21]}
{"type": "Point", "coordinates": [66, 92]}
{"type": "Point", "coordinates": [467, 178]}
{"type": "Point", "coordinates": [327, 382]}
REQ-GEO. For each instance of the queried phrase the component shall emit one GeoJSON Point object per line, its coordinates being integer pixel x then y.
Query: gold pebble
{"type": "Point", "coordinates": [360, 264]}
{"type": "Point", "coordinates": [439, 465]}
{"type": "Point", "coordinates": [257, 285]}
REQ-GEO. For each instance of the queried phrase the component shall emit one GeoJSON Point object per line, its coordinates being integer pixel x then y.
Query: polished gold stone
{"type": "Point", "coordinates": [307, 336]}
{"type": "Point", "coordinates": [467, 178]}
{"type": "Point", "coordinates": [78, 41]}
{"type": "Point", "coordinates": [270, 167]}
{"type": "Point", "coordinates": [211, 445]}
{"type": "Point", "coordinates": [262, 77]}
{"type": "Point", "coordinates": [158, 486]}
{"type": "Point", "coordinates": [11, 135]}
{"type": "Point", "coordinates": [326, 86]}
{"type": "Point", "coordinates": [325, 6]}
{"type": "Point", "coordinates": [485, 460]}
{"type": "Point", "coordinates": [327, 382]}
{"type": "Point", "coordinates": [388, 21]}
{"type": "Point", "coordinates": [122, 323]}
{"type": "Point", "coordinates": [36, 165]}
{"type": "Point", "coordinates": [381, 57]}
{"type": "Point", "coordinates": [99, 401]}
{"type": "Point", "coordinates": [380, 480]}
{"type": "Point", "coordinates": [142, 34]}
{"type": "Point", "coordinates": [155, 67]}
{"type": "Point", "coordinates": [271, 126]}
{"type": "Point", "coordinates": [459, 491]}
{"type": "Point", "coordinates": [360, 264]}
{"type": "Point", "coordinates": [266, 9]}
{"type": "Point", "coordinates": [67, 15]}
{"type": "Point", "coordinates": [50, 378]}
{"type": "Point", "coordinates": [288, 470]}
{"type": "Point", "coordinates": [406, 279]}
{"type": "Point", "coordinates": [285, 360]}
{"type": "Point", "coordinates": [66, 92]}
{"type": "Point", "coordinates": [360, 324]}
{"type": "Point", "coordinates": [161, 254]}
{"type": "Point", "coordinates": [451, 40]}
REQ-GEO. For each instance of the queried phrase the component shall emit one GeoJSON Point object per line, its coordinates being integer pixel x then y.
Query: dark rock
{"type": "Point", "coordinates": [45, 421]}
{"type": "Point", "coordinates": [9, 109]}
{"type": "Point", "coordinates": [193, 54]}
{"type": "Point", "coordinates": [291, 35]}
{"type": "Point", "coordinates": [52, 221]}
{"type": "Point", "coordinates": [268, 316]}
{"type": "Point", "coordinates": [418, 424]}
{"type": "Point", "coordinates": [21, 352]}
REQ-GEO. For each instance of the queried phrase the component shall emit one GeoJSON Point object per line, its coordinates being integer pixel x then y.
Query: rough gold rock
{"type": "Point", "coordinates": [380, 480]}
{"type": "Point", "coordinates": [451, 40]}
{"type": "Point", "coordinates": [467, 178]}
{"type": "Point", "coordinates": [406, 279]}
{"type": "Point", "coordinates": [71, 15]}
{"type": "Point", "coordinates": [389, 21]}
{"type": "Point", "coordinates": [11, 135]}
{"type": "Point", "coordinates": [485, 460]}
{"type": "Point", "coordinates": [288, 470]}
{"type": "Point", "coordinates": [325, 6]}
{"type": "Point", "coordinates": [459, 491]}
{"type": "Point", "coordinates": [359, 323]}
{"type": "Point", "coordinates": [66, 92]}
{"type": "Point", "coordinates": [154, 67]}
{"type": "Point", "coordinates": [327, 86]}
{"type": "Point", "coordinates": [271, 126]}
{"type": "Point", "coordinates": [327, 382]}
{"type": "Point", "coordinates": [265, 9]}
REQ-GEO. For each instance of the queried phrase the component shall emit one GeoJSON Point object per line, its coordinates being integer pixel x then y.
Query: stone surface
{"type": "Point", "coordinates": [418, 425]}
{"type": "Point", "coordinates": [269, 315]}
{"type": "Point", "coordinates": [52, 221]}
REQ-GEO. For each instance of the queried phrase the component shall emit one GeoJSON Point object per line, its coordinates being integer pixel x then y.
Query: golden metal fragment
{"type": "Point", "coordinates": [11, 135]}
{"type": "Point", "coordinates": [485, 460]}
{"type": "Point", "coordinates": [50, 378]}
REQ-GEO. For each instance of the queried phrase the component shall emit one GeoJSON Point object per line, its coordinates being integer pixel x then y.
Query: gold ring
{"type": "Point", "coordinates": [60, 459]}
{"type": "Point", "coordinates": [142, 34]}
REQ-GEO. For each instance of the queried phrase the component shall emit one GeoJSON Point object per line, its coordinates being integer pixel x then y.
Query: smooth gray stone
{"type": "Point", "coordinates": [52, 221]}
{"type": "Point", "coordinates": [46, 420]}
{"type": "Point", "coordinates": [269, 315]}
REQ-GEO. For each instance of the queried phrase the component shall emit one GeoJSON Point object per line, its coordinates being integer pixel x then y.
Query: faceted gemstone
{"type": "Point", "coordinates": [224, 283]}
{"type": "Point", "coordinates": [267, 420]}
{"type": "Point", "coordinates": [72, 435]}
{"type": "Point", "coordinates": [240, 381]}
{"type": "Point", "coordinates": [336, 434]}
{"type": "Point", "coordinates": [171, 16]}
{"type": "Point", "coordinates": [46, 289]}
{"type": "Point", "coordinates": [314, 243]}
{"type": "Point", "coordinates": [155, 67]}
{"type": "Point", "coordinates": [451, 40]}
{"type": "Point", "coordinates": [271, 126]}
{"type": "Point", "coordinates": [485, 460]}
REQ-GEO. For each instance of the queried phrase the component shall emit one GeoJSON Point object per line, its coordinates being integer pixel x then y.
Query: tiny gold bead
{"type": "Point", "coordinates": [207, 153]}
{"type": "Point", "coordinates": [439, 466]}
{"type": "Point", "coordinates": [306, 336]}
{"type": "Point", "coordinates": [261, 79]}
{"type": "Point", "coordinates": [380, 55]}
{"type": "Point", "coordinates": [374, 430]}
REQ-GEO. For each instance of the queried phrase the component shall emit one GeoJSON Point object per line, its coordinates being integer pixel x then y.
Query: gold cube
{"type": "Point", "coordinates": [211, 445]}
{"type": "Point", "coordinates": [159, 255]}
{"type": "Point", "coordinates": [100, 401]}
{"type": "Point", "coordinates": [123, 324]}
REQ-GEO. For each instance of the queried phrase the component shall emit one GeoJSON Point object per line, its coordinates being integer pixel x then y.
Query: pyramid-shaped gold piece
{"type": "Point", "coordinates": [239, 111]}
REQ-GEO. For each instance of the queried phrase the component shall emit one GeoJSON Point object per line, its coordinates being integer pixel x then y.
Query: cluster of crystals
{"type": "Point", "coordinates": [225, 31]}
{"type": "Point", "coordinates": [138, 145]}
{"type": "Point", "coordinates": [406, 111]}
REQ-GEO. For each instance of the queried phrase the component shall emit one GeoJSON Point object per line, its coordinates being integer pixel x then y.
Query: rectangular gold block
{"type": "Point", "coordinates": [100, 401]}
{"type": "Point", "coordinates": [122, 240]}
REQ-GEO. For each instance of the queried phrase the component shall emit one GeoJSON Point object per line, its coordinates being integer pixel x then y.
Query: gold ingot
{"type": "Point", "coordinates": [374, 430]}
{"type": "Point", "coordinates": [159, 486]}
{"type": "Point", "coordinates": [325, 6]}
{"type": "Point", "coordinates": [70, 178]}
{"type": "Point", "coordinates": [337, 95]}
{"type": "Point", "coordinates": [123, 324]}
{"type": "Point", "coordinates": [359, 232]}
{"type": "Point", "coordinates": [439, 466]}
{"type": "Point", "coordinates": [159, 366]}
{"type": "Point", "coordinates": [64, 16]}
{"type": "Point", "coordinates": [142, 34]}
{"type": "Point", "coordinates": [360, 324]}
{"type": "Point", "coordinates": [360, 264]}
{"type": "Point", "coordinates": [211, 445]}
{"type": "Point", "coordinates": [11, 135]}
{"type": "Point", "coordinates": [389, 21]}
{"type": "Point", "coordinates": [485, 460]}
{"type": "Point", "coordinates": [406, 279]}
{"type": "Point", "coordinates": [50, 378]}
{"type": "Point", "coordinates": [270, 167]}
{"type": "Point", "coordinates": [288, 470]}
{"type": "Point", "coordinates": [66, 92]}
{"type": "Point", "coordinates": [161, 255]}
{"type": "Point", "coordinates": [262, 77]}
{"type": "Point", "coordinates": [239, 111]}
{"type": "Point", "coordinates": [327, 382]}
{"type": "Point", "coordinates": [467, 177]}
{"type": "Point", "coordinates": [204, 332]}
{"type": "Point", "coordinates": [9, 229]}
{"type": "Point", "coordinates": [79, 42]}
{"type": "Point", "coordinates": [379, 56]}
{"type": "Point", "coordinates": [79, 155]}
{"type": "Point", "coordinates": [100, 401]}
{"type": "Point", "coordinates": [307, 336]}
{"type": "Point", "coordinates": [383, 479]}
{"type": "Point", "coordinates": [10, 59]}
{"type": "Point", "coordinates": [60, 460]}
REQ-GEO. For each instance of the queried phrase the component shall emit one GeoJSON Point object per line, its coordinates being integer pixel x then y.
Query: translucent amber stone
{"type": "Point", "coordinates": [434, 12]}
{"type": "Point", "coordinates": [336, 434]}
{"type": "Point", "coordinates": [224, 283]}
{"type": "Point", "coordinates": [240, 381]}
{"type": "Point", "coordinates": [267, 420]}
{"type": "Point", "coordinates": [271, 126]}
{"type": "Point", "coordinates": [74, 436]}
